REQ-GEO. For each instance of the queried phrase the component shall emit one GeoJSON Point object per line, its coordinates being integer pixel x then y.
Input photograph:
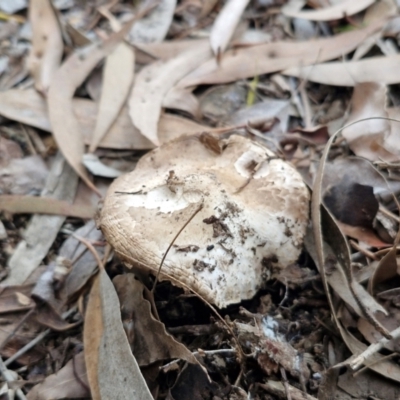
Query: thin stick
{"type": "Point", "coordinates": [171, 244]}
{"type": "Point", "coordinates": [14, 331]}
{"type": "Point", "coordinates": [91, 249]}
{"type": "Point", "coordinates": [34, 341]}
{"type": "Point", "coordinates": [285, 383]}
{"type": "Point", "coordinates": [372, 349]}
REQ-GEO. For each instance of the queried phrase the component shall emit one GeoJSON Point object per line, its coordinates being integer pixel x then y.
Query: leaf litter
{"type": "Point", "coordinates": [81, 319]}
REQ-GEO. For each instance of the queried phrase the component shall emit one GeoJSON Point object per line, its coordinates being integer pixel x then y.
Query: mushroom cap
{"type": "Point", "coordinates": [252, 222]}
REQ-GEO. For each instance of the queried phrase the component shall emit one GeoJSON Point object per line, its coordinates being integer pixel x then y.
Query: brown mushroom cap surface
{"type": "Point", "coordinates": [252, 221]}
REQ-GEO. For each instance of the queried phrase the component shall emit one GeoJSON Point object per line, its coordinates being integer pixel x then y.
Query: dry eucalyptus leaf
{"type": "Point", "coordinates": [117, 80]}
{"type": "Point", "coordinates": [367, 138]}
{"type": "Point", "coordinates": [339, 10]}
{"type": "Point", "coordinates": [122, 134]}
{"type": "Point", "coordinates": [85, 265]}
{"type": "Point", "coordinates": [276, 56]}
{"type": "Point", "coordinates": [112, 369]}
{"type": "Point", "coordinates": [252, 212]}
{"type": "Point", "coordinates": [44, 205]}
{"type": "Point", "coordinates": [152, 84]}
{"type": "Point", "coordinates": [42, 229]}
{"type": "Point", "coordinates": [97, 168]}
{"type": "Point", "coordinates": [69, 382]}
{"type": "Point", "coordinates": [23, 176]}
{"type": "Point", "coordinates": [72, 73]}
{"type": "Point", "coordinates": [151, 341]}
{"type": "Point", "coordinates": [154, 26]}
{"type": "Point", "coordinates": [350, 73]}
{"type": "Point", "coordinates": [225, 24]}
{"type": "Point", "coordinates": [47, 43]}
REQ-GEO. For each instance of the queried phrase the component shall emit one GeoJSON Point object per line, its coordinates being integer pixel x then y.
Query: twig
{"type": "Point", "coordinates": [34, 341]}
{"type": "Point", "coordinates": [14, 331]}
{"type": "Point", "coordinates": [285, 384]}
{"type": "Point", "coordinates": [372, 349]}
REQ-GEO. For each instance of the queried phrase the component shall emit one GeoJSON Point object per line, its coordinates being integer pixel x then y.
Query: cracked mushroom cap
{"type": "Point", "coordinates": [252, 219]}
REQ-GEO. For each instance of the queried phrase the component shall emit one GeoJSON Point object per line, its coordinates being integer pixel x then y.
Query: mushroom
{"type": "Point", "coordinates": [250, 215]}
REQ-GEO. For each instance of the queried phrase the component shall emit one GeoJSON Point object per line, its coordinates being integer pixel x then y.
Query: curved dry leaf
{"type": "Point", "coordinates": [337, 11]}
{"type": "Point", "coordinates": [276, 56]}
{"type": "Point", "coordinates": [155, 25]}
{"type": "Point", "coordinates": [47, 44]}
{"type": "Point", "coordinates": [97, 168]}
{"type": "Point", "coordinates": [373, 69]}
{"type": "Point", "coordinates": [29, 107]}
{"type": "Point", "coordinates": [151, 342]}
{"type": "Point", "coordinates": [69, 382]}
{"type": "Point", "coordinates": [182, 99]}
{"type": "Point", "coordinates": [117, 80]}
{"type": "Point", "coordinates": [367, 138]}
{"type": "Point", "coordinates": [72, 73]}
{"type": "Point", "coordinates": [112, 369]}
{"type": "Point", "coordinates": [225, 25]}
{"type": "Point", "coordinates": [152, 84]}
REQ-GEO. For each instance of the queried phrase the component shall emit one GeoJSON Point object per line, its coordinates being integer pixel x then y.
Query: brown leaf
{"type": "Point", "coordinates": [71, 75]}
{"type": "Point", "coordinates": [47, 44]}
{"type": "Point", "coordinates": [15, 298]}
{"type": "Point", "coordinates": [151, 341]}
{"type": "Point", "coordinates": [152, 84]}
{"type": "Point", "coordinates": [122, 134]}
{"type": "Point", "coordinates": [69, 382]}
{"type": "Point", "coordinates": [343, 9]}
{"type": "Point", "coordinates": [117, 80]}
{"type": "Point", "coordinates": [112, 369]}
{"type": "Point", "coordinates": [44, 205]}
{"type": "Point", "coordinates": [276, 56]}
{"type": "Point", "coordinates": [225, 25]}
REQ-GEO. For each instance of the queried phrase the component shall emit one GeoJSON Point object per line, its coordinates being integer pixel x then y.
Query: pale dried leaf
{"type": "Point", "coordinates": [69, 382]}
{"type": "Point", "coordinates": [367, 138]}
{"type": "Point", "coordinates": [169, 48]}
{"type": "Point", "coordinates": [97, 168]}
{"type": "Point", "coordinates": [42, 229]}
{"type": "Point", "coordinates": [152, 84]}
{"type": "Point", "coordinates": [44, 205]}
{"type": "Point", "coordinates": [117, 80]}
{"type": "Point", "coordinates": [225, 25]}
{"type": "Point", "coordinates": [276, 56]}
{"type": "Point", "coordinates": [379, 10]}
{"type": "Point", "coordinates": [373, 69]}
{"type": "Point", "coordinates": [72, 73]}
{"type": "Point", "coordinates": [154, 26]}
{"type": "Point", "coordinates": [112, 369]}
{"type": "Point", "coordinates": [23, 176]}
{"type": "Point", "coordinates": [47, 44]}
{"type": "Point", "coordinates": [344, 9]}
{"type": "Point", "coordinates": [182, 99]}
{"type": "Point", "coordinates": [30, 108]}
